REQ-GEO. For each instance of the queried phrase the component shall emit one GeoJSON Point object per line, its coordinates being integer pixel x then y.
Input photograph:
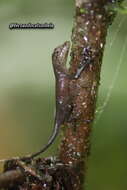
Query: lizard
{"type": "Point", "coordinates": [63, 99]}
{"type": "Point", "coordinates": [63, 107]}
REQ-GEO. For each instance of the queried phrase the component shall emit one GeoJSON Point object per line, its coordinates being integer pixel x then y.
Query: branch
{"type": "Point", "coordinates": [92, 20]}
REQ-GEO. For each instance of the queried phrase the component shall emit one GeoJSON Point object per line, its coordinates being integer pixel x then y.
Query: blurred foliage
{"type": "Point", "coordinates": [27, 89]}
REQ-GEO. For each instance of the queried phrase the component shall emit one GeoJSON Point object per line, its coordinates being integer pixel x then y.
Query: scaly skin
{"type": "Point", "coordinates": [59, 58]}
{"type": "Point", "coordinates": [63, 101]}
{"type": "Point", "coordinates": [63, 97]}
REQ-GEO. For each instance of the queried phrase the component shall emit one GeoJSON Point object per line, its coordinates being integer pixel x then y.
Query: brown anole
{"type": "Point", "coordinates": [63, 98]}
{"type": "Point", "coordinates": [63, 107]}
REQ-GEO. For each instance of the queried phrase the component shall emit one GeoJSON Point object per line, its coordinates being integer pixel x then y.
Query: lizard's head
{"type": "Point", "coordinates": [60, 53]}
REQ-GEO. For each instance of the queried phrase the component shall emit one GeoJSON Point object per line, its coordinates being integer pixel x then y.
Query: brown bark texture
{"type": "Point", "coordinates": [92, 20]}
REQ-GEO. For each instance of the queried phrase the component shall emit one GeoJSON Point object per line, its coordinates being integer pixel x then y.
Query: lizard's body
{"type": "Point", "coordinates": [63, 107]}
{"type": "Point", "coordinates": [63, 97]}
{"type": "Point", "coordinates": [63, 101]}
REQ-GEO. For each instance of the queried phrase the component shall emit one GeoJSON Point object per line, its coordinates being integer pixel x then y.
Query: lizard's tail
{"type": "Point", "coordinates": [50, 141]}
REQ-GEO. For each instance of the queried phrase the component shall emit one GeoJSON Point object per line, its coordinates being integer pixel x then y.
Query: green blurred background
{"type": "Point", "coordinates": [27, 89]}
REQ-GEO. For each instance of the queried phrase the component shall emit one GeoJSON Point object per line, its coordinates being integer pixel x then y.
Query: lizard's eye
{"type": "Point", "coordinates": [57, 52]}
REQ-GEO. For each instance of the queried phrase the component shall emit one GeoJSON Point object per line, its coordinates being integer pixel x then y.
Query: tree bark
{"type": "Point", "coordinates": [92, 20]}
